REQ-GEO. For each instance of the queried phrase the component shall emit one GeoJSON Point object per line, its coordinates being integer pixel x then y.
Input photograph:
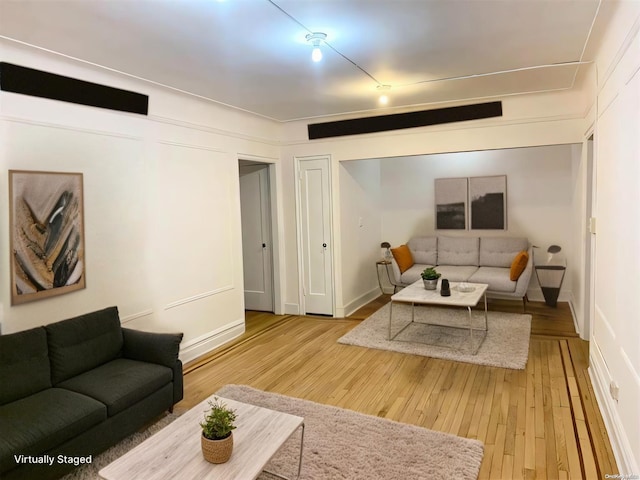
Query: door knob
{"type": "Point", "coordinates": [324, 245]}
{"type": "Point", "coordinates": [264, 245]}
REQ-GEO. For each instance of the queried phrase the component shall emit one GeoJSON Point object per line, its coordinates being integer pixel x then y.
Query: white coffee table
{"type": "Point", "coordinates": [416, 294]}
{"type": "Point", "coordinates": [174, 452]}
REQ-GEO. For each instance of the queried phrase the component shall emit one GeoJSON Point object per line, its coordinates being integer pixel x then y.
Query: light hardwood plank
{"type": "Point", "coordinates": [540, 422]}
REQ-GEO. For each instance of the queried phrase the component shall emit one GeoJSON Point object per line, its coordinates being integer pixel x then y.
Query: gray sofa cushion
{"type": "Point", "coordinates": [120, 383]}
{"type": "Point", "coordinates": [24, 364]}
{"type": "Point", "coordinates": [456, 273]}
{"type": "Point", "coordinates": [496, 277]}
{"type": "Point", "coordinates": [500, 251]}
{"type": "Point", "coordinates": [424, 250]}
{"type": "Point", "coordinates": [39, 422]}
{"type": "Point", "coordinates": [81, 343]}
{"type": "Point", "coordinates": [412, 274]}
{"type": "Point", "coordinates": [458, 250]}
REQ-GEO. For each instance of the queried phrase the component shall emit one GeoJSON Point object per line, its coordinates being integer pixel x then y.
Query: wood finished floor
{"type": "Point", "coordinates": [541, 422]}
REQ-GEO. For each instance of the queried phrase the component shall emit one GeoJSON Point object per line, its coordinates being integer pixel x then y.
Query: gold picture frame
{"type": "Point", "coordinates": [46, 222]}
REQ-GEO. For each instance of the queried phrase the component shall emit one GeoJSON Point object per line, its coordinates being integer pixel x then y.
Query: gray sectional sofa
{"type": "Point", "coordinates": [71, 389]}
{"type": "Point", "coordinates": [470, 259]}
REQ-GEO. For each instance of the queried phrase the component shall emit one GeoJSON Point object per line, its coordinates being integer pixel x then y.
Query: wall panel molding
{"type": "Point", "coordinates": [134, 316]}
{"type": "Point", "coordinates": [58, 126]}
{"type": "Point", "coordinates": [197, 297]}
{"type": "Point", "coordinates": [213, 130]}
{"type": "Point", "coordinates": [600, 379]}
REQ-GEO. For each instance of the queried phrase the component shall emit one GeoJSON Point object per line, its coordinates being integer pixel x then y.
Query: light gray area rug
{"type": "Point", "coordinates": [345, 445]}
{"type": "Point", "coordinates": [90, 471]}
{"type": "Point", "coordinates": [506, 343]}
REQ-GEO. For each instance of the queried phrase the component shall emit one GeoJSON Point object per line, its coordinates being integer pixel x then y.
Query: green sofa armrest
{"type": "Point", "coordinates": [160, 348]}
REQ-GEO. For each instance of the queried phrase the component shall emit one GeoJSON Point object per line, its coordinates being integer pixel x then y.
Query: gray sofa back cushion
{"type": "Point", "coordinates": [82, 343]}
{"type": "Point", "coordinates": [500, 251]}
{"type": "Point", "coordinates": [458, 251]}
{"type": "Point", "coordinates": [24, 364]}
{"type": "Point", "coordinates": [424, 250]}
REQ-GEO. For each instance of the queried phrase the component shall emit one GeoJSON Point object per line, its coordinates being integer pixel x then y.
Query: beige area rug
{"type": "Point", "coordinates": [506, 343]}
{"type": "Point", "coordinates": [345, 445]}
{"type": "Point", "coordinates": [338, 445]}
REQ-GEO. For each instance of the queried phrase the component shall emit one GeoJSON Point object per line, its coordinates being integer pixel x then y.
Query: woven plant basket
{"type": "Point", "coordinates": [217, 451]}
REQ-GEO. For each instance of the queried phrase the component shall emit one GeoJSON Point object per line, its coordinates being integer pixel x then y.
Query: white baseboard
{"type": "Point", "coordinates": [576, 324]}
{"type": "Point", "coordinates": [210, 341]}
{"type": "Point", "coordinates": [291, 309]}
{"type": "Point", "coordinates": [361, 301]}
{"type": "Point", "coordinates": [600, 379]}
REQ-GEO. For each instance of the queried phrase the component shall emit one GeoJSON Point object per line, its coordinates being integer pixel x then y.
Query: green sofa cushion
{"type": "Point", "coordinates": [24, 364]}
{"type": "Point", "coordinates": [120, 383]}
{"type": "Point", "coordinates": [39, 422]}
{"type": "Point", "coordinates": [81, 343]}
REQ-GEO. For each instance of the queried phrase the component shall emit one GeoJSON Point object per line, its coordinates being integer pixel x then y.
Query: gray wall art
{"type": "Point", "coordinates": [451, 203]}
{"type": "Point", "coordinates": [47, 234]}
{"type": "Point", "coordinates": [488, 202]}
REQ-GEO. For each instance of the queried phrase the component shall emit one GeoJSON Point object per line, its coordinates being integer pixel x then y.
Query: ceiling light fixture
{"type": "Point", "coordinates": [384, 93]}
{"type": "Point", "coordinates": [315, 39]}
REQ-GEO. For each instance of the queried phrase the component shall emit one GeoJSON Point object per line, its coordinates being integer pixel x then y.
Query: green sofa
{"type": "Point", "coordinates": [71, 389]}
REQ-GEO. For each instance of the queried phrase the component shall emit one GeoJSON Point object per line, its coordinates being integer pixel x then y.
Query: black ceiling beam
{"type": "Point", "coordinates": [399, 121]}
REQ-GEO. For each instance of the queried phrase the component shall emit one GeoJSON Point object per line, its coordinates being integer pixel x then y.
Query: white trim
{"type": "Point", "coordinates": [135, 316]}
{"type": "Point", "coordinates": [626, 43]}
{"type": "Point", "coordinates": [574, 315]}
{"type": "Point", "coordinates": [361, 301]}
{"type": "Point", "coordinates": [192, 146]}
{"type": "Point", "coordinates": [600, 379]}
{"type": "Point", "coordinates": [291, 309]}
{"type": "Point", "coordinates": [209, 341]}
{"type": "Point", "coordinates": [199, 296]}
{"type": "Point", "coordinates": [60, 126]}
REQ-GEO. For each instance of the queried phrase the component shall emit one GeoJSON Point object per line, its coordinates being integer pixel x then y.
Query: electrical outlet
{"type": "Point", "coordinates": [614, 390]}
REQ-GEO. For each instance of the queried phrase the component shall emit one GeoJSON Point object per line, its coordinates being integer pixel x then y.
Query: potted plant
{"type": "Point", "coordinates": [430, 278]}
{"type": "Point", "coordinates": [217, 432]}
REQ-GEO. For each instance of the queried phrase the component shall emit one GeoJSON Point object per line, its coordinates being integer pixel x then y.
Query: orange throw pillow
{"type": "Point", "coordinates": [518, 265]}
{"type": "Point", "coordinates": [403, 256]}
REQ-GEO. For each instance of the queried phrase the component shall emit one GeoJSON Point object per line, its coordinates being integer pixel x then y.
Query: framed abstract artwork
{"type": "Point", "coordinates": [47, 234]}
{"type": "Point", "coordinates": [488, 203]}
{"type": "Point", "coordinates": [451, 203]}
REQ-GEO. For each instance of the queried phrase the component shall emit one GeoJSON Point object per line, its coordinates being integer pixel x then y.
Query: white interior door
{"type": "Point", "coordinates": [315, 236]}
{"type": "Point", "coordinates": [256, 237]}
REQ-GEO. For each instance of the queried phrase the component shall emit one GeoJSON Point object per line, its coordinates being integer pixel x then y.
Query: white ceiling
{"type": "Point", "coordinates": [251, 54]}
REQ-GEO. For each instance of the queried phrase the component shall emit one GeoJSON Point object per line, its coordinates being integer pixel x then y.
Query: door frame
{"type": "Point", "coordinates": [277, 231]}
{"type": "Point", "coordinates": [590, 247]}
{"type": "Point", "coordinates": [298, 193]}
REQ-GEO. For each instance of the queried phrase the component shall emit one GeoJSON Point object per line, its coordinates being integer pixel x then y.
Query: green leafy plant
{"type": "Point", "coordinates": [430, 274]}
{"type": "Point", "coordinates": [218, 421]}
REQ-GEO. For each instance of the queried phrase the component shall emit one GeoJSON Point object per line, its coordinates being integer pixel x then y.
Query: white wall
{"type": "Point", "coordinates": [615, 340]}
{"type": "Point", "coordinates": [360, 231]}
{"type": "Point", "coordinates": [161, 202]}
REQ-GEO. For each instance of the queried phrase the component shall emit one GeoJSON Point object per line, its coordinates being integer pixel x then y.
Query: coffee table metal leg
{"type": "Point", "coordinates": [390, 315]}
{"type": "Point", "coordinates": [485, 313]}
{"type": "Point", "coordinates": [470, 329]}
{"type": "Point", "coordinates": [299, 461]}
